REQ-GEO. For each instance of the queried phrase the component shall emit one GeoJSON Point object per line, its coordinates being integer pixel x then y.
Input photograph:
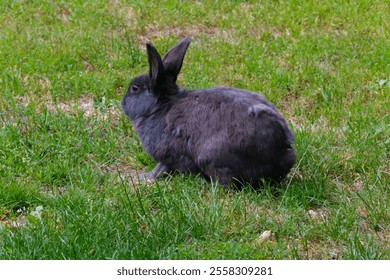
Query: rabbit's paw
{"type": "Point", "coordinates": [159, 171]}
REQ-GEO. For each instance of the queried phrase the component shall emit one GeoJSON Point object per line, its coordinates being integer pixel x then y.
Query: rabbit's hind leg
{"type": "Point", "coordinates": [222, 175]}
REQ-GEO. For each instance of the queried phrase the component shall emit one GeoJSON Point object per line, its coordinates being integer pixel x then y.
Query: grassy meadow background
{"type": "Point", "coordinates": [68, 154]}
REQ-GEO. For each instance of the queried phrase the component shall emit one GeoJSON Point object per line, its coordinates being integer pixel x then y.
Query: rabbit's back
{"type": "Point", "coordinates": [238, 114]}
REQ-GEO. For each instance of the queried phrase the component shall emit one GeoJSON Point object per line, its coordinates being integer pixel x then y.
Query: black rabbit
{"type": "Point", "coordinates": [225, 134]}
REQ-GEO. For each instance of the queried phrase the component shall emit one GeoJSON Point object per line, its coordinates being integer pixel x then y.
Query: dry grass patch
{"type": "Point", "coordinates": [87, 106]}
{"type": "Point", "coordinates": [317, 250]}
{"type": "Point", "coordinates": [84, 104]}
{"type": "Point", "coordinates": [154, 32]}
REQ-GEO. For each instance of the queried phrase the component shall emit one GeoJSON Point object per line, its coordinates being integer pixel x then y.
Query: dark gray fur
{"type": "Point", "coordinates": [222, 133]}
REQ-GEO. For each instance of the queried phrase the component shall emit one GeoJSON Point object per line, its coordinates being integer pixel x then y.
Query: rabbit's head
{"type": "Point", "coordinates": [145, 92]}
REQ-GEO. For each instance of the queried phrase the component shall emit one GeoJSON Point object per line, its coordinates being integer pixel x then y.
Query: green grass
{"type": "Point", "coordinates": [66, 146]}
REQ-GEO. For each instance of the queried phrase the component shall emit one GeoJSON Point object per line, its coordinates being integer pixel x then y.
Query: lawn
{"type": "Point", "coordinates": [69, 155]}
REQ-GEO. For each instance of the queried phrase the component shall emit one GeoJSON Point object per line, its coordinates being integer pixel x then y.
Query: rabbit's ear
{"type": "Point", "coordinates": [173, 60]}
{"type": "Point", "coordinates": [156, 69]}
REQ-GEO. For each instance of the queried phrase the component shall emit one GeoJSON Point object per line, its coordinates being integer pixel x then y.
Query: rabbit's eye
{"type": "Point", "coordinates": [134, 88]}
